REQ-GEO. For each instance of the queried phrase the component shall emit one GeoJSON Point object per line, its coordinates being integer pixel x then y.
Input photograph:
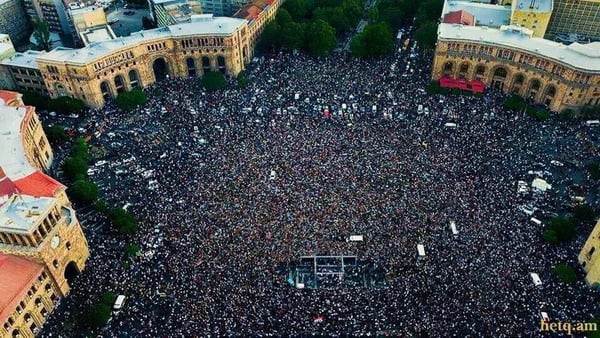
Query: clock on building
{"type": "Point", "coordinates": [55, 242]}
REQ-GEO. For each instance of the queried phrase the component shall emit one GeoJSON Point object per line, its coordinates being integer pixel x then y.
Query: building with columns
{"type": "Point", "coordinates": [42, 245]}
{"type": "Point", "coordinates": [102, 70]}
{"type": "Point", "coordinates": [512, 60]}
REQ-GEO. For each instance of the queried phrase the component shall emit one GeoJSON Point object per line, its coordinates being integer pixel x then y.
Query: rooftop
{"type": "Point", "coordinates": [460, 17]}
{"type": "Point", "coordinates": [12, 154]}
{"type": "Point", "coordinates": [485, 14]}
{"type": "Point", "coordinates": [533, 6]}
{"type": "Point", "coordinates": [252, 10]}
{"type": "Point", "coordinates": [97, 34]}
{"type": "Point", "coordinates": [24, 60]}
{"type": "Point", "coordinates": [17, 274]}
{"type": "Point", "coordinates": [21, 213]}
{"type": "Point", "coordinates": [204, 24]}
{"type": "Point", "coordinates": [581, 56]}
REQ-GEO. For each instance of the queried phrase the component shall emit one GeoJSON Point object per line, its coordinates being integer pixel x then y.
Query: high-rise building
{"type": "Point", "coordinates": [14, 20]}
{"type": "Point", "coordinates": [171, 12]}
{"type": "Point", "coordinates": [53, 11]}
{"type": "Point", "coordinates": [85, 18]}
{"type": "Point", "coordinates": [575, 17]}
{"type": "Point", "coordinates": [532, 14]}
{"type": "Point", "coordinates": [42, 245]}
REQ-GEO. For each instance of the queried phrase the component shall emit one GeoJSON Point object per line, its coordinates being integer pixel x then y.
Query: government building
{"type": "Point", "coordinates": [487, 44]}
{"type": "Point", "coordinates": [42, 245]}
{"type": "Point", "coordinates": [102, 70]}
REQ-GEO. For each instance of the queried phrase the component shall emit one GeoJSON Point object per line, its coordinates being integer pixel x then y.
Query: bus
{"type": "Point", "coordinates": [406, 44]}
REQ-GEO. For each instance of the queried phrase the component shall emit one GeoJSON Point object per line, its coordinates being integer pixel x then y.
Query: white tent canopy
{"type": "Point", "coordinates": [540, 184]}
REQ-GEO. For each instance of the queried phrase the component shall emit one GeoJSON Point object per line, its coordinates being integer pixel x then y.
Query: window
{"type": "Point", "coordinates": [591, 252]}
{"type": "Point", "coordinates": [55, 263]}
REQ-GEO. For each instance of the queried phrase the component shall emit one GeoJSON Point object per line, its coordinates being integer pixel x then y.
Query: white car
{"type": "Point", "coordinates": [528, 210]}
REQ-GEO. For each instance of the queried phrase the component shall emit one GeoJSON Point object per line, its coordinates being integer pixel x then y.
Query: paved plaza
{"type": "Point", "coordinates": [230, 187]}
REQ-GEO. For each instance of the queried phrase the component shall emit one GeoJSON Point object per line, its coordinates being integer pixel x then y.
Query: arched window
{"type": "Point", "coordinates": [221, 64]}
{"type": "Point", "coordinates": [119, 84]}
{"type": "Point", "coordinates": [191, 66]}
{"type": "Point", "coordinates": [105, 89]}
{"type": "Point", "coordinates": [133, 78]}
{"type": "Point", "coordinates": [205, 64]}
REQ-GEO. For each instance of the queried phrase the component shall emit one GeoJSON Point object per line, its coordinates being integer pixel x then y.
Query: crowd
{"type": "Point", "coordinates": [231, 187]}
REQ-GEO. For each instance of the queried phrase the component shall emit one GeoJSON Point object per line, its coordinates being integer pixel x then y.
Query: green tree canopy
{"type": "Point", "coordinates": [84, 191]}
{"type": "Point", "coordinates": [212, 81]}
{"type": "Point", "coordinates": [335, 17]}
{"type": "Point", "coordinates": [123, 221]}
{"type": "Point", "coordinates": [299, 9]}
{"type": "Point", "coordinates": [563, 227]}
{"type": "Point", "coordinates": [283, 17]}
{"type": "Point", "coordinates": [594, 170]}
{"type": "Point", "coordinates": [66, 105]}
{"type": "Point", "coordinates": [376, 39]}
{"type": "Point", "coordinates": [270, 38]}
{"type": "Point", "coordinates": [292, 36]}
{"type": "Point", "coordinates": [320, 38]}
{"type": "Point", "coordinates": [242, 80]}
{"type": "Point", "coordinates": [426, 35]}
{"type": "Point", "coordinates": [74, 167]}
{"type": "Point", "coordinates": [584, 213]}
{"type": "Point", "coordinates": [565, 273]}
{"type": "Point", "coordinates": [131, 99]}
{"type": "Point", "coordinates": [37, 100]}
{"type": "Point", "coordinates": [132, 250]}
{"type": "Point", "coordinates": [97, 316]}
{"type": "Point", "coordinates": [56, 134]}
{"type": "Point", "coordinates": [41, 34]}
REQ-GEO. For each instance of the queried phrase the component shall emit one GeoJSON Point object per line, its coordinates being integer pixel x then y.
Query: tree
{"type": "Point", "coordinates": [56, 134]}
{"type": "Point", "coordinates": [97, 316]}
{"type": "Point", "coordinates": [299, 9]}
{"type": "Point", "coordinates": [292, 36]}
{"type": "Point", "coordinates": [148, 23]}
{"type": "Point", "coordinates": [283, 17]}
{"type": "Point", "coordinates": [426, 35]}
{"type": "Point", "coordinates": [335, 17]}
{"type": "Point", "coordinates": [123, 221]}
{"type": "Point", "coordinates": [80, 149]}
{"type": "Point", "coordinates": [41, 34]}
{"type": "Point", "coordinates": [131, 99]}
{"type": "Point", "coordinates": [429, 11]}
{"type": "Point", "coordinates": [565, 273]}
{"type": "Point", "coordinates": [566, 115]}
{"type": "Point", "coordinates": [132, 250]}
{"type": "Point", "coordinates": [66, 105]}
{"type": "Point", "coordinates": [514, 102]}
{"type": "Point", "coordinates": [84, 191]}
{"type": "Point", "coordinates": [320, 38]}
{"type": "Point", "coordinates": [270, 38]}
{"type": "Point", "coordinates": [563, 227]}
{"type": "Point", "coordinates": [375, 40]}
{"type": "Point", "coordinates": [39, 101]}
{"type": "Point", "coordinates": [212, 81]}
{"type": "Point", "coordinates": [550, 236]}
{"type": "Point", "coordinates": [584, 213]}
{"type": "Point", "coordinates": [75, 167]}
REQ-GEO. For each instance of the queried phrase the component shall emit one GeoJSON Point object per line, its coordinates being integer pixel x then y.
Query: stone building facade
{"type": "Point", "coordinates": [14, 20]}
{"type": "Point", "coordinates": [102, 70]}
{"type": "Point", "coordinates": [512, 60]}
{"type": "Point", "coordinates": [42, 244]}
{"type": "Point", "coordinates": [589, 257]}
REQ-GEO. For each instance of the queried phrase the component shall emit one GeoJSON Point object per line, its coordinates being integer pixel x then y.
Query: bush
{"type": "Point", "coordinates": [434, 88]}
{"type": "Point", "coordinates": [56, 134]}
{"type": "Point", "coordinates": [515, 102]}
{"type": "Point", "coordinates": [123, 221]}
{"type": "Point", "coordinates": [131, 99]}
{"type": "Point", "coordinates": [566, 115]}
{"type": "Point", "coordinates": [565, 273]}
{"type": "Point", "coordinates": [542, 115]}
{"type": "Point", "coordinates": [74, 167]}
{"type": "Point", "coordinates": [101, 206]}
{"type": "Point", "coordinates": [212, 81]}
{"type": "Point", "coordinates": [242, 80]}
{"type": "Point", "coordinates": [84, 191]}
{"type": "Point", "coordinates": [65, 105]}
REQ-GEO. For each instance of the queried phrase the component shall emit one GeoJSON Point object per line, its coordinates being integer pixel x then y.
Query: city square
{"type": "Point", "coordinates": [231, 187]}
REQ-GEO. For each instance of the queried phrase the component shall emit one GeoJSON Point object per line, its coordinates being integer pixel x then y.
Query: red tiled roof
{"type": "Point", "coordinates": [460, 17]}
{"type": "Point", "coordinates": [7, 186]}
{"type": "Point", "coordinates": [17, 274]}
{"type": "Point", "coordinates": [38, 184]}
{"type": "Point", "coordinates": [253, 9]}
{"type": "Point", "coordinates": [11, 98]}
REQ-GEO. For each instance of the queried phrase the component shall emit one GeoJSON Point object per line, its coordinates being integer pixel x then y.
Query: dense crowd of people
{"type": "Point", "coordinates": [231, 187]}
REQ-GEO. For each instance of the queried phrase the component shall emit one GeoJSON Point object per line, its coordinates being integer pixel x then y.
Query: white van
{"type": "Point", "coordinates": [453, 228]}
{"type": "Point", "coordinates": [119, 303]}
{"type": "Point", "coordinates": [592, 123]}
{"type": "Point", "coordinates": [536, 221]}
{"type": "Point", "coordinates": [450, 125]}
{"type": "Point", "coordinates": [421, 250]}
{"type": "Point", "coordinates": [420, 109]}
